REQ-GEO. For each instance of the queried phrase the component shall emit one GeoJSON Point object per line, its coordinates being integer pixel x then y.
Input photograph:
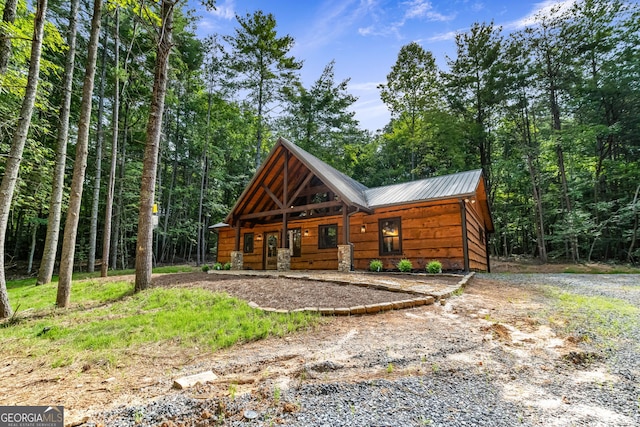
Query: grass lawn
{"type": "Point", "coordinates": [107, 319]}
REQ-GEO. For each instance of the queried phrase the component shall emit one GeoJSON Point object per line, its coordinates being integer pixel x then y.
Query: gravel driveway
{"type": "Point", "coordinates": [501, 354]}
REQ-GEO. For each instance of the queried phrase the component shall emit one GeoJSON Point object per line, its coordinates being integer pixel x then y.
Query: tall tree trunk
{"type": "Point", "coordinates": [144, 246]}
{"type": "Point", "coordinates": [535, 183]}
{"type": "Point", "coordinates": [55, 205]}
{"type": "Point", "coordinates": [634, 234]}
{"type": "Point", "coordinates": [116, 243]}
{"type": "Point", "coordinates": [8, 17]}
{"type": "Point", "coordinates": [32, 249]}
{"type": "Point", "coordinates": [95, 203]}
{"type": "Point", "coordinates": [12, 165]}
{"type": "Point", "coordinates": [108, 210]}
{"type": "Point", "coordinates": [73, 213]}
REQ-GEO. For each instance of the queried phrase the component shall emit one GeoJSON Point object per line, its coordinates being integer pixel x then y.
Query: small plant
{"type": "Point", "coordinates": [217, 266]}
{"type": "Point", "coordinates": [375, 265]}
{"type": "Point", "coordinates": [277, 393]}
{"type": "Point", "coordinates": [390, 368]}
{"type": "Point", "coordinates": [205, 268]}
{"type": "Point", "coordinates": [138, 416]}
{"type": "Point", "coordinates": [434, 267]}
{"type": "Point", "coordinates": [233, 389]}
{"type": "Point", "coordinates": [227, 266]}
{"type": "Point", "coordinates": [405, 265]}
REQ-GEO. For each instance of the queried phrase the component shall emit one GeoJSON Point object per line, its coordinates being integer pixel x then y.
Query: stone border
{"type": "Point", "coordinates": [371, 308]}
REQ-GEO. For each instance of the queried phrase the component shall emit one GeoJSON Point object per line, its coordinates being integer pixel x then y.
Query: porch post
{"type": "Point", "coordinates": [237, 261]}
{"type": "Point", "coordinates": [237, 243]}
{"type": "Point", "coordinates": [345, 250]}
{"type": "Point", "coordinates": [285, 200]}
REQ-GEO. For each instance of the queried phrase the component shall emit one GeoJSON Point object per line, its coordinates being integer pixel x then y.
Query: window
{"type": "Point", "coordinates": [328, 236]}
{"type": "Point", "coordinates": [390, 236]}
{"type": "Point", "coordinates": [248, 243]}
{"type": "Point", "coordinates": [296, 242]}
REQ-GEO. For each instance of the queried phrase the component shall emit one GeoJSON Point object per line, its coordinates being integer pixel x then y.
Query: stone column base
{"type": "Point", "coordinates": [284, 259]}
{"type": "Point", "coordinates": [237, 260]}
{"type": "Point", "coordinates": [344, 258]}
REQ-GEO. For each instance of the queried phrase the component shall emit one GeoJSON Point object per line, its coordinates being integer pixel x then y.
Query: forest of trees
{"type": "Point", "coordinates": [551, 113]}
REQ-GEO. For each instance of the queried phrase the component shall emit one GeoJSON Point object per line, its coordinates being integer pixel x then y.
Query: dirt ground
{"type": "Point", "coordinates": [487, 315]}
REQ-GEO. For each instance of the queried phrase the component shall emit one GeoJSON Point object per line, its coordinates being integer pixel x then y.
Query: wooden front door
{"type": "Point", "coordinates": [271, 251]}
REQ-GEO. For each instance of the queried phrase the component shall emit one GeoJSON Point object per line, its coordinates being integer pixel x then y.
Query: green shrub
{"type": "Point", "coordinates": [227, 266]}
{"type": "Point", "coordinates": [205, 268]}
{"type": "Point", "coordinates": [217, 266]}
{"type": "Point", "coordinates": [375, 265]}
{"type": "Point", "coordinates": [405, 265]}
{"type": "Point", "coordinates": [434, 267]}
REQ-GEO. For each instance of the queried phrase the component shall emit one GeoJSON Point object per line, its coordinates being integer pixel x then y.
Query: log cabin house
{"type": "Point", "coordinates": [300, 213]}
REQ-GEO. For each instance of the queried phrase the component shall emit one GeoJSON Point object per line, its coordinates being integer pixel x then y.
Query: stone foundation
{"type": "Point", "coordinates": [237, 260]}
{"type": "Point", "coordinates": [344, 258]}
{"type": "Point", "coordinates": [284, 259]}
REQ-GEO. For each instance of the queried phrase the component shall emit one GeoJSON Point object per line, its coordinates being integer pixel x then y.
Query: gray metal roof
{"type": "Point", "coordinates": [346, 187]}
{"type": "Point", "coordinates": [441, 187]}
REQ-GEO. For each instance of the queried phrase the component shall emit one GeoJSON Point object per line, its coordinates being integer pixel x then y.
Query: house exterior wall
{"type": "Point", "coordinates": [429, 230]}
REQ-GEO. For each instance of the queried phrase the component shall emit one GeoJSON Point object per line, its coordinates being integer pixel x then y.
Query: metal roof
{"type": "Point", "coordinates": [346, 187]}
{"type": "Point", "coordinates": [440, 187]}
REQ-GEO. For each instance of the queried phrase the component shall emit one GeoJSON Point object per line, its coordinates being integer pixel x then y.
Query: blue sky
{"type": "Point", "coordinates": [365, 36]}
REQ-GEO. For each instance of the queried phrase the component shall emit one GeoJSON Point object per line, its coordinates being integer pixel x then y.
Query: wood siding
{"type": "Point", "coordinates": [430, 231]}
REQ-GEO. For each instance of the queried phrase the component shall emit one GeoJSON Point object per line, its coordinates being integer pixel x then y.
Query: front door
{"type": "Point", "coordinates": [271, 251]}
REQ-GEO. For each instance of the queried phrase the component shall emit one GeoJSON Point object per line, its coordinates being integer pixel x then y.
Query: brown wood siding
{"type": "Point", "coordinates": [311, 257]}
{"type": "Point", "coordinates": [430, 231]}
{"type": "Point", "coordinates": [477, 249]}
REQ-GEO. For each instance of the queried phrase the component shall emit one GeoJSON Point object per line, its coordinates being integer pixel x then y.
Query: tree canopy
{"type": "Point", "coordinates": [549, 112]}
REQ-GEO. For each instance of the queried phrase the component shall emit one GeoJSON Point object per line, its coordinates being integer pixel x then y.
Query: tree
{"type": "Point", "coordinates": [474, 88]}
{"type": "Point", "coordinates": [95, 202]}
{"type": "Point", "coordinates": [260, 58]}
{"type": "Point", "coordinates": [108, 209]}
{"type": "Point", "coordinates": [144, 246]}
{"type": "Point", "coordinates": [8, 17]}
{"type": "Point", "coordinates": [14, 158]}
{"type": "Point", "coordinates": [551, 60]}
{"type": "Point", "coordinates": [412, 87]}
{"type": "Point", "coordinates": [80, 165]}
{"type": "Point", "coordinates": [319, 120]}
{"type": "Point", "coordinates": [47, 263]}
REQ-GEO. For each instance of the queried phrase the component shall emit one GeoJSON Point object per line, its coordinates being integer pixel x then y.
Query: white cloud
{"type": "Point", "coordinates": [418, 9]}
{"type": "Point", "coordinates": [336, 17]}
{"type": "Point", "coordinates": [448, 36]}
{"type": "Point", "coordinates": [545, 8]}
{"type": "Point", "coordinates": [225, 10]}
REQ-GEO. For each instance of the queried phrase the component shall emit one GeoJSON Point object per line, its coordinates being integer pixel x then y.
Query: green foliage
{"type": "Point", "coordinates": [405, 265]}
{"type": "Point", "coordinates": [217, 266]}
{"type": "Point", "coordinates": [111, 321]}
{"type": "Point", "coordinates": [226, 266]}
{"type": "Point", "coordinates": [608, 318]}
{"type": "Point", "coordinates": [375, 265]}
{"type": "Point", "coordinates": [434, 267]}
{"type": "Point", "coordinates": [206, 268]}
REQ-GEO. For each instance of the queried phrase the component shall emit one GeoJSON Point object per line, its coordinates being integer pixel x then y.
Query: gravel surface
{"type": "Point", "coordinates": [478, 362]}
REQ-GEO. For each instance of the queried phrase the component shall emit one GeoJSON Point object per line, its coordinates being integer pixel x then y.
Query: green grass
{"type": "Point", "coordinates": [608, 318]}
{"type": "Point", "coordinates": [601, 269]}
{"type": "Point", "coordinates": [106, 320]}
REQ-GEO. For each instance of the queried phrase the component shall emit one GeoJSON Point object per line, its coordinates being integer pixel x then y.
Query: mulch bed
{"type": "Point", "coordinates": [283, 293]}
